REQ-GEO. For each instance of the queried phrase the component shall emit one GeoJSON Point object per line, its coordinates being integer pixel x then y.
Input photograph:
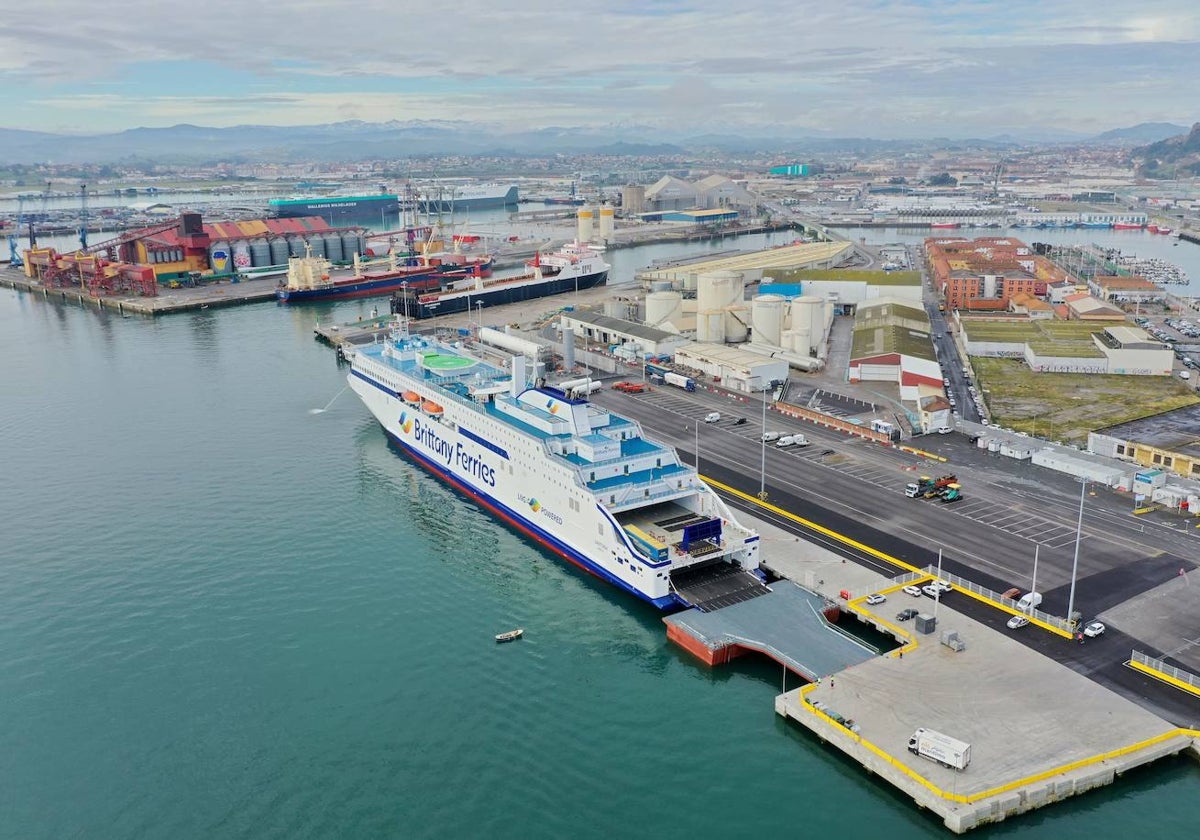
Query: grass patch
{"type": "Point", "coordinates": [1066, 406]}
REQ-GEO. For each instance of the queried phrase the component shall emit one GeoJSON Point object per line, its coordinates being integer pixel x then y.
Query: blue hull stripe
{"type": "Point", "coordinates": [486, 444]}
{"type": "Point", "coordinates": [525, 526]}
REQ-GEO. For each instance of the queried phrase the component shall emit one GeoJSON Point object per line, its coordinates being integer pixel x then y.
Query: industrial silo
{"type": "Point", "coordinates": [606, 224]}
{"type": "Point", "coordinates": [333, 247]}
{"type": "Point", "coordinates": [279, 251]}
{"type": "Point", "coordinates": [260, 253]}
{"type": "Point", "coordinates": [296, 245]}
{"type": "Point", "coordinates": [737, 323]}
{"type": "Point", "coordinates": [804, 311]}
{"type": "Point", "coordinates": [663, 307]}
{"type": "Point", "coordinates": [799, 341]}
{"type": "Point", "coordinates": [710, 326]}
{"type": "Point", "coordinates": [718, 289]}
{"type": "Point", "coordinates": [584, 232]}
{"type": "Point", "coordinates": [220, 258]}
{"type": "Point", "coordinates": [768, 318]}
{"type": "Point", "coordinates": [350, 246]}
{"type": "Point", "coordinates": [241, 255]}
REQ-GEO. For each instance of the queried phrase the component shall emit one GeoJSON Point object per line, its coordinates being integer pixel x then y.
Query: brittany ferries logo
{"type": "Point", "coordinates": [552, 406]}
{"type": "Point", "coordinates": [405, 424]}
{"type": "Point", "coordinates": [535, 505]}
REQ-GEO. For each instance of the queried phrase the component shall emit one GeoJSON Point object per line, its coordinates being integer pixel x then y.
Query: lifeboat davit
{"type": "Point", "coordinates": [431, 408]}
{"type": "Point", "coordinates": [412, 398]}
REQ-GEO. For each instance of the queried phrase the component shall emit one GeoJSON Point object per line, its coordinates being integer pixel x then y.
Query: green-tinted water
{"type": "Point", "coordinates": [226, 616]}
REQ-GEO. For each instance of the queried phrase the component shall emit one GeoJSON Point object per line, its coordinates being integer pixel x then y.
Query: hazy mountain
{"type": "Point", "coordinates": [1140, 133]}
{"type": "Point", "coordinates": [1171, 158]}
{"type": "Point", "coordinates": [358, 140]}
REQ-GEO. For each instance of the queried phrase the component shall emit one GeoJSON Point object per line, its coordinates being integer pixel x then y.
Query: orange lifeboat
{"type": "Point", "coordinates": [412, 398]}
{"type": "Point", "coordinates": [431, 408]}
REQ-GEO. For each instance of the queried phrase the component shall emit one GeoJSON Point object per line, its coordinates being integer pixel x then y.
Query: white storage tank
{"type": "Point", "coordinates": [710, 326]}
{"type": "Point", "coordinates": [806, 311]}
{"type": "Point", "coordinates": [606, 224]}
{"type": "Point", "coordinates": [798, 342]}
{"type": "Point", "coordinates": [737, 324]}
{"type": "Point", "coordinates": [718, 289]}
{"type": "Point", "coordinates": [662, 307]}
{"type": "Point", "coordinates": [767, 318]}
{"type": "Point", "coordinates": [584, 232]}
{"type": "Point", "coordinates": [241, 256]}
{"type": "Point", "coordinates": [220, 258]}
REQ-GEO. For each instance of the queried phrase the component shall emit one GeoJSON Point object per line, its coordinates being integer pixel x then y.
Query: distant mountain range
{"type": "Point", "coordinates": [357, 140]}
{"type": "Point", "coordinates": [1174, 157]}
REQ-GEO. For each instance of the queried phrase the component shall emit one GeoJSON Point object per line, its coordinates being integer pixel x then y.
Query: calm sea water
{"type": "Point", "coordinates": [225, 616]}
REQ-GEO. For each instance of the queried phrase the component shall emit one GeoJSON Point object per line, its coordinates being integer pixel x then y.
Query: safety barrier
{"type": "Point", "coordinates": [1061, 625]}
{"type": "Point", "coordinates": [1167, 673]}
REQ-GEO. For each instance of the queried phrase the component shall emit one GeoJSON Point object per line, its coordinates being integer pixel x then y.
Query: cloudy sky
{"type": "Point", "coordinates": [908, 68]}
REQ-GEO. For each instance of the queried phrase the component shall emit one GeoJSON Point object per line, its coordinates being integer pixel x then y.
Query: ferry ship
{"type": "Point", "coordinates": [572, 267]}
{"type": "Point", "coordinates": [447, 197]}
{"type": "Point", "coordinates": [582, 481]}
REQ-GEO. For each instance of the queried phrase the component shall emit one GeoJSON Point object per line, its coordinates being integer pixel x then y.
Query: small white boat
{"type": "Point", "coordinates": [510, 636]}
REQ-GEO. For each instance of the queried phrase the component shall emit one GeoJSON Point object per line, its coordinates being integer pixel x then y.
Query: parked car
{"type": "Point", "coordinates": [1012, 594]}
{"type": "Point", "coordinates": [741, 421]}
{"type": "Point", "coordinates": [876, 598]}
{"type": "Point", "coordinates": [1093, 630]}
{"type": "Point", "coordinates": [914, 591]}
{"type": "Point", "coordinates": [1017, 621]}
{"type": "Point", "coordinates": [944, 430]}
{"type": "Point", "coordinates": [906, 614]}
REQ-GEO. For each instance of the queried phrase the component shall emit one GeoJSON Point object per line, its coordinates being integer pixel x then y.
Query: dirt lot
{"type": "Point", "coordinates": [1066, 406]}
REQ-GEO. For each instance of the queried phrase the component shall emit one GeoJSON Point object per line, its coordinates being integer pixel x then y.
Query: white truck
{"type": "Point", "coordinates": [946, 751]}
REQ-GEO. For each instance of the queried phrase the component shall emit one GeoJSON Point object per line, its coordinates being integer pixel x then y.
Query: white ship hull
{"type": "Point", "coordinates": [514, 476]}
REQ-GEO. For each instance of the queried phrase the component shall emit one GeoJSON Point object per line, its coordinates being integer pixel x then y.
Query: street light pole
{"type": "Point", "coordinates": [1075, 562]}
{"type": "Point", "coordinates": [762, 468]}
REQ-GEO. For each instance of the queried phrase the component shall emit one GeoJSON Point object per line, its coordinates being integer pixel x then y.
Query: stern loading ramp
{"type": "Point", "coordinates": [786, 622]}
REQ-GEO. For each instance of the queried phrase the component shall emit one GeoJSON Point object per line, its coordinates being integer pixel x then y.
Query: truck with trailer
{"type": "Point", "coordinates": [680, 381]}
{"type": "Point", "coordinates": [946, 751]}
{"type": "Point", "coordinates": [928, 487]}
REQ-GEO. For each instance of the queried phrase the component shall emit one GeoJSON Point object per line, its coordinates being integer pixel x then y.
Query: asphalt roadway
{"type": "Point", "coordinates": [855, 488]}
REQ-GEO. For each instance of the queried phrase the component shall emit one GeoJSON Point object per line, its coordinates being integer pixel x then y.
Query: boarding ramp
{"type": "Point", "coordinates": [716, 585]}
{"type": "Point", "coordinates": [787, 623]}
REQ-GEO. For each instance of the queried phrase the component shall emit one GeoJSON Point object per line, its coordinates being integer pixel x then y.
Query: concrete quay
{"type": "Point", "coordinates": [170, 301]}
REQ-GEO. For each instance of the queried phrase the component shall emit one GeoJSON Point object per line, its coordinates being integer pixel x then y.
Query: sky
{"type": "Point", "coordinates": [910, 68]}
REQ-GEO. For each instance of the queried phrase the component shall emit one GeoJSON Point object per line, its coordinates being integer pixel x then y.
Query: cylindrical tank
{"type": "Point", "coordinates": [718, 289]}
{"type": "Point", "coordinates": [584, 232]}
{"type": "Point", "coordinates": [317, 244]}
{"type": "Point", "coordinates": [241, 255]}
{"type": "Point", "coordinates": [350, 246]}
{"type": "Point", "coordinates": [737, 323]}
{"type": "Point", "coordinates": [220, 258]}
{"type": "Point", "coordinates": [690, 281]}
{"type": "Point", "coordinates": [279, 251]}
{"type": "Point", "coordinates": [710, 326]}
{"type": "Point", "coordinates": [333, 247]}
{"type": "Point", "coordinates": [800, 341]}
{"type": "Point", "coordinates": [260, 253]}
{"type": "Point", "coordinates": [768, 317]}
{"type": "Point", "coordinates": [801, 314]}
{"type": "Point", "coordinates": [662, 307]}
{"type": "Point", "coordinates": [606, 224]}
{"type": "Point", "coordinates": [296, 245]}
{"type": "Point", "coordinates": [569, 349]}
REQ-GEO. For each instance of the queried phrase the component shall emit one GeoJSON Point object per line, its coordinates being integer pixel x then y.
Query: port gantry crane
{"type": "Point", "coordinates": [83, 217]}
{"type": "Point", "coordinates": [14, 234]}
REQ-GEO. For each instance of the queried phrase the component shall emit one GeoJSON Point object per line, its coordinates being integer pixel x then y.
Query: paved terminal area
{"type": "Point", "coordinates": [1039, 732]}
{"type": "Point", "coordinates": [1166, 617]}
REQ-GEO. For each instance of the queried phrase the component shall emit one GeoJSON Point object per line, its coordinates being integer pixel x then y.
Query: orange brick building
{"type": "Point", "coordinates": [984, 274]}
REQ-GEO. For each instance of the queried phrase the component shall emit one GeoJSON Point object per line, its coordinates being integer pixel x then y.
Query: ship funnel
{"type": "Point", "coordinates": [518, 377]}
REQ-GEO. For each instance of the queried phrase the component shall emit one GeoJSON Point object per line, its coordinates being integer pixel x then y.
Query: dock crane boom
{"type": "Point", "coordinates": [83, 216]}
{"type": "Point", "coordinates": [13, 235]}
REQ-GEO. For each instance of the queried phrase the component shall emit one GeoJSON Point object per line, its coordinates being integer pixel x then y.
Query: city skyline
{"type": "Point", "coordinates": [863, 68]}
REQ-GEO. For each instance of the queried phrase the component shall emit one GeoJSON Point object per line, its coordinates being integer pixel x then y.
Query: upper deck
{"type": "Point", "coordinates": [607, 452]}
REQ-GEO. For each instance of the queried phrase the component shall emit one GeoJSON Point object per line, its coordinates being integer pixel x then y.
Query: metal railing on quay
{"type": "Point", "coordinates": [991, 595]}
{"type": "Point", "coordinates": [1177, 674]}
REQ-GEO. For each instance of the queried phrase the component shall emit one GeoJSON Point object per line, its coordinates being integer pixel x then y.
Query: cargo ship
{"type": "Point", "coordinates": [446, 198]}
{"type": "Point", "coordinates": [582, 481]}
{"type": "Point", "coordinates": [571, 268]}
{"type": "Point", "coordinates": [1127, 226]}
{"type": "Point", "coordinates": [310, 278]}
{"type": "Point", "coordinates": [333, 207]}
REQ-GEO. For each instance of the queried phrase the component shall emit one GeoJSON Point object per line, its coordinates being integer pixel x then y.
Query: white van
{"type": "Point", "coordinates": [1029, 601]}
{"type": "Point", "coordinates": [792, 440]}
{"type": "Point", "coordinates": [712, 417]}
{"type": "Point", "coordinates": [770, 436]}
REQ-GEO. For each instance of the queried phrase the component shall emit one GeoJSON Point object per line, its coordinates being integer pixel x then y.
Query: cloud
{"type": "Point", "coordinates": [856, 66]}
